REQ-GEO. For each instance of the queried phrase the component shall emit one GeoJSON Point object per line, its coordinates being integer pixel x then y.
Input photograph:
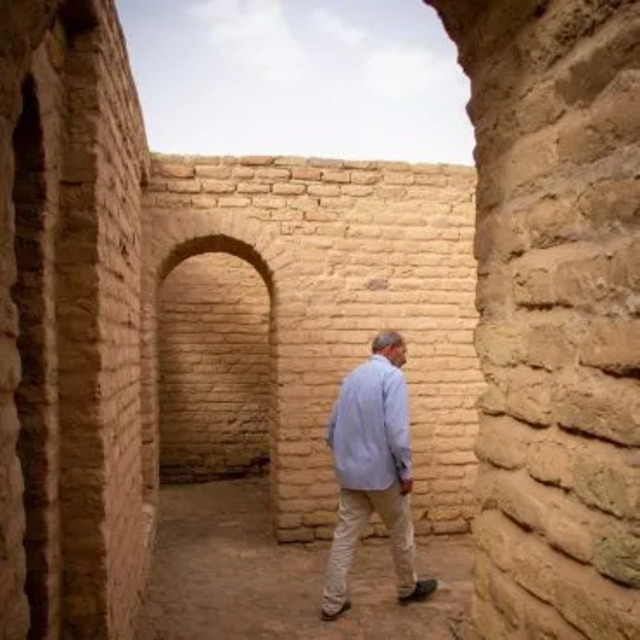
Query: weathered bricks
{"type": "Point", "coordinates": [356, 261]}
{"type": "Point", "coordinates": [557, 291]}
{"type": "Point", "coordinates": [554, 107]}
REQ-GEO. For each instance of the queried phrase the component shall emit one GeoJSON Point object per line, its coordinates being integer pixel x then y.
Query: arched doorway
{"type": "Point", "coordinates": [213, 347]}
{"type": "Point", "coordinates": [36, 396]}
{"type": "Point", "coordinates": [202, 235]}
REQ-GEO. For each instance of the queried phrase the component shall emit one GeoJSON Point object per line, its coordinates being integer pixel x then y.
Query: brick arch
{"type": "Point", "coordinates": [37, 216]}
{"type": "Point", "coordinates": [218, 243]}
{"type": "Point", "coordinates": [188, 234]}
{"type": "Point", "coordinates": [20, 39]}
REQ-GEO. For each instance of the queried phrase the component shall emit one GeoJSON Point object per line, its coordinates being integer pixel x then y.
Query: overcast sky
{"type": "Point", "coordinates": [352, 79]}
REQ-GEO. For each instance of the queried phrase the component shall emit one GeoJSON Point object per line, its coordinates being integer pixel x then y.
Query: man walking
{"type": "Point", "coordinates": [368, 433]}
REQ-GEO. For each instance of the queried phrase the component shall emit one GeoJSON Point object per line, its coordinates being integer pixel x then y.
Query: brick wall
{"type": "Point", "coordinates": [214, 370]}
{"type": "Point", "coordinates": [36, 198]}
{"type": "Point", "coordinates": [121, 159]}
{"type": "Point", "coordinates": [343, 248]}
{"type": "Point", "coordinates": [554, 101]}
{"type": "Point", "coordinates": [350, 248]}
{"type": "Point", "coordinates": [28, 418]}
{"type": "Point", "coordinates": [79, 149]}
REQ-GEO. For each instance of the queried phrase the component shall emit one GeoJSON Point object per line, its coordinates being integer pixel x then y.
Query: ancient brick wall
{"type": "Point", "coordinates": [28, 422]}
{"type": "Point", "coordinates": [36, 197]}
{"type": "Point", "coordinates": [79, 151]}
{"type": "Point", "coordinates": [554, 105]}
{"type": "Point", "coordinates": [343, 247]}
{"type": "Point", "coordinates": [214, 370]}
{"type": "Point", "coordinates": [350, 248]}
{"type": "Point", "coordinates": [122, 160]}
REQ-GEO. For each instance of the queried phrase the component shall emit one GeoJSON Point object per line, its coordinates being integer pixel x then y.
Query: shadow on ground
{"type": "Point", "coordinates": [219, 575]}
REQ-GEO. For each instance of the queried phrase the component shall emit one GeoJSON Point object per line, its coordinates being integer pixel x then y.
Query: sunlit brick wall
{"type": "Point", "coordinates": [556, 89]}
{"type": "Point", "coordinates": [357, 247]}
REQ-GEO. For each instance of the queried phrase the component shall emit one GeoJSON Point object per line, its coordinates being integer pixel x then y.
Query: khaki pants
{"type": "Point", "coordinates": [355, 508]}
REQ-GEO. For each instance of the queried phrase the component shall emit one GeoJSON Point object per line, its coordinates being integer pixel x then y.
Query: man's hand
{"type": "Point", "coordinates": [406, 486]}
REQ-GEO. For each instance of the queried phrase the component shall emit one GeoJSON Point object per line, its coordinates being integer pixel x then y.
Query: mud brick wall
{"type": "Point", "coordinates": [29, 132]}
{"type": "Point", "coordinates": [555, 93]}
{"type": "Point", "coordinates": [343, 248]}
{"type": "Point", "coordinates": [36, 200]}
{"type": "Point", "coordinates": [214, 370]}
{"type": "Point", "coordinates": [78, 150]}
{"type": "Point", "coordinates": [349, 248]}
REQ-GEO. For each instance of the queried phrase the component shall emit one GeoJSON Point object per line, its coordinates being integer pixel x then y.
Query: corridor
{"type": "Point", "coordinates": [218, 574]}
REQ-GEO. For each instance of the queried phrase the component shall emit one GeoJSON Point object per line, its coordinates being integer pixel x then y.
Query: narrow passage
{"type": "Point", "coordinates": [219, 575]}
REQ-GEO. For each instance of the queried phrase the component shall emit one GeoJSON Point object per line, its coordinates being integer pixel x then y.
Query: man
{"type": "Point", "coordinates": [368, 433]}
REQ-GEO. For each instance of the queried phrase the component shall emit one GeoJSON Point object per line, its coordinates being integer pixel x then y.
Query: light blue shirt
{"type": "Point", "coordinates": [369, 427]}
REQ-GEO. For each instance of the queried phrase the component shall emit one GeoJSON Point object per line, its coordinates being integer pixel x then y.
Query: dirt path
{"type": "Point", "coordinates": [219, 575]}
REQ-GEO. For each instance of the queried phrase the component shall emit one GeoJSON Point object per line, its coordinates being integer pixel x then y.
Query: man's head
{"type": "Point", "coordinates": [391, 345]}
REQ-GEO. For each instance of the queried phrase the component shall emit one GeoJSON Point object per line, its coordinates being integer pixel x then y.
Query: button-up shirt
{"type": "Point", "coordinates": [369, 427]}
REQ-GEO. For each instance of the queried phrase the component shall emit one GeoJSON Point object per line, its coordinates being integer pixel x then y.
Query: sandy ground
{"type": "Point", "coordinates": [218, 574]}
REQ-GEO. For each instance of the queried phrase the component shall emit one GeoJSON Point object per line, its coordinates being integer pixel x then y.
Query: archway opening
{"type": "Point", "coordinates": [36, 395]}
{"type": "Point", "coordinates": [213, 346]}
{"type": "Point", "coordinates": [368, 251]}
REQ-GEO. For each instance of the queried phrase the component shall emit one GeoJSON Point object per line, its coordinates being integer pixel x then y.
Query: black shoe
{"type": "Point", "coordinates": [330, 617]}
{"type": "Point", "coordinates": [424, 588]}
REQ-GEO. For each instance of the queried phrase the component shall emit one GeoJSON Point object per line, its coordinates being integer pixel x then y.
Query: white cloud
{"type": "Point", "coordinates": [399, 72]}
{"type": "Point", "coordinates": [254, 33]}
{"type": "Point", "coordinates": [336, 28]}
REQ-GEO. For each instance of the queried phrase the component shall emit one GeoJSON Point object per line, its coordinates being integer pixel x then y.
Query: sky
{"type": "Point", "coordinates": [349, 79]}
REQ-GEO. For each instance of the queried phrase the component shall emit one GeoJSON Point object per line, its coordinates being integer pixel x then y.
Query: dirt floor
{"type": "Point", "coordinates": [218, 574]}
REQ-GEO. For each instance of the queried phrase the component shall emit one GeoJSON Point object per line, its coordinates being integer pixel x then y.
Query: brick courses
{"type": "Point", "coordinates": [89, 232]}
{"type": "Point", "coordinates": [214, 370]}
{"type": "Point", "coordinates": [557, 295]}
{"type": "Point", "coordinates": [343, 267]}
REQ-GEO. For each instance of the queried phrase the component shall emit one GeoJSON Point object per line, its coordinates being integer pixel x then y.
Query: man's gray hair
{"type": "Point", "coordinates": [386, 339]}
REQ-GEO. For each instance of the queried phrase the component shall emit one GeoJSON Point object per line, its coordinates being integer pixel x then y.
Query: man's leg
{"type": "Point", "coordinates": [353, 512]}
{"type": "Point", "coordinates": [395, 511]}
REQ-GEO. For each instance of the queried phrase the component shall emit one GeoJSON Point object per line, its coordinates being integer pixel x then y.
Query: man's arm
{"type": "Point", "coordinates": [396, 413]}
{"type": "Point", "coordinates": [331, 425]}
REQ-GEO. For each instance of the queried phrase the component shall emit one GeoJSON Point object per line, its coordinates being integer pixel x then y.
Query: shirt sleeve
{"type": "Point", "coordinates": [331, 425]}
{"type": "Point", "coordinates": [396, 419]}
